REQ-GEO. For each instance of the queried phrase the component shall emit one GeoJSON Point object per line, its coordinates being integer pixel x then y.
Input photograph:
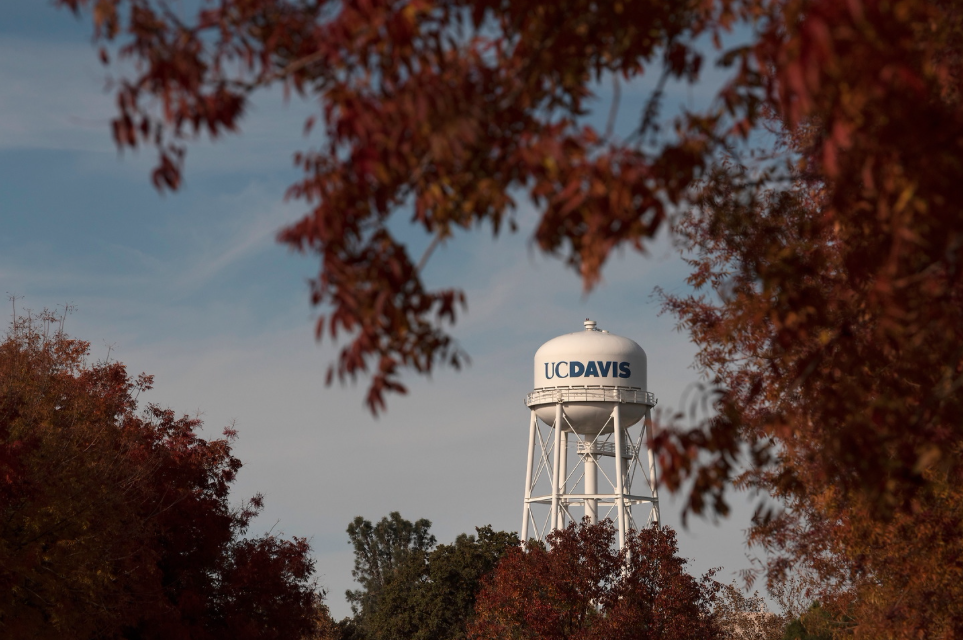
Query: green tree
{"type": "Point", "coordinates": [431, 596]}
{"type": "Point", "coordinates": [379, 550]}
{"type": "Point", "coordinates": [815, 624]}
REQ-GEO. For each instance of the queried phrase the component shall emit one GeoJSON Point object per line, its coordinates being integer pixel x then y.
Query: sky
{"type": "Point", "coordinates": [192, 288]}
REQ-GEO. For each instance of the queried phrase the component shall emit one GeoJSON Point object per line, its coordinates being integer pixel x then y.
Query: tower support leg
{"type": "Point", "coordinates": [526, 507]}
{"type": "Point", "coordinates": [591, 487]}
{"type": "Point", "coordinates": [653, 479]}
{"type": "Point", "coordinates": [556, 480]}
{"type": "Point", "coordinates": [563, 478]}
{"type": "Point", "coordinates": [619, 475]}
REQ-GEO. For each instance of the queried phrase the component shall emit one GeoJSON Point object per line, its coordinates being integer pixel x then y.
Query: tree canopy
{"type": "Point", "coordinates": [829, 314]}
{"type": "Point", "coordinates": [819, 195]}
{"type": "Point", "coordinates": [740, 616]}
{"type": "Point", "coordinates": [449, 110]}
{"type": "Point", "coordinates": [409, 587]}
{"type": "Point", "coordinates": [432, 595]}
{"type": "Point", "coordinates": [116, 523]}
{"type": "Point", "coordinates": [582, 587]}
{"type": "Point", "coordinates": [379, 550]}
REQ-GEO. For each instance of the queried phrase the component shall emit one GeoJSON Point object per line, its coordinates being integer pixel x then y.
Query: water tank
{"type": "Point", "coordinates": [589, 372]}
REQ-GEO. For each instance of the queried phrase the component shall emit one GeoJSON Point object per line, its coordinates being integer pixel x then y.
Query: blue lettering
{"type": "Point", "coordinates": [594, 369]}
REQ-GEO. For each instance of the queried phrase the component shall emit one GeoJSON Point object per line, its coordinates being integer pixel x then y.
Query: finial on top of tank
{"type": "Point", "coordinates": [589, 325]}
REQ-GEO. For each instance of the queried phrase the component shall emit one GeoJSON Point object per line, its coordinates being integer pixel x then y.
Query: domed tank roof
{"type": "Point", "coordinates": [590, 358]}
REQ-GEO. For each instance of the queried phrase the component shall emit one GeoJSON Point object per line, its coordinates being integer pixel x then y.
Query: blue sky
{"type": "Point", "coordinates": [192, 288]}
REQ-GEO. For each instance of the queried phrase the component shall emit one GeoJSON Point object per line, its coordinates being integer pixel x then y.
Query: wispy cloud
{"type": "Point", "coordinates": [52, 96]}
{"type": "Point", "coordinates": [257, 215]}
{"type": "Point", "coordinates": [56, 96]}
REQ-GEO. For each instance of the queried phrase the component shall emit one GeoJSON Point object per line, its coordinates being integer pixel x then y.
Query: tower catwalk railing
{"type": "Point", "coordinates": [629, 395]}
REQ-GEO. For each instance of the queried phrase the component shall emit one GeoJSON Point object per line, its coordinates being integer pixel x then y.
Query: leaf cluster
{"type": "Point", "coordinates": [443, 109]}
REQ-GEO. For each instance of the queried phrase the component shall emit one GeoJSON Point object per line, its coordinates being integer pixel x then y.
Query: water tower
{"type": "Point", "coordinates": [590, 389]}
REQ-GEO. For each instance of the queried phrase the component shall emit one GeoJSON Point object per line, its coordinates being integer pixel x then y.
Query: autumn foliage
{"type": "Point", "coordinates": [116, 523]}
{"type": "Point", "coordinates": [582, 587]}
{"type": "Point", "coordinates": [834, 323]}
{"type": "Point", "coordinates": [819, 195]}
{"type": "Point", "coordinates": [450, 109]}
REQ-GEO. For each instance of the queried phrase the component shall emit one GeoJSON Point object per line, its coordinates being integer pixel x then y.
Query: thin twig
{"type": "Point", "coordinates": [298, 64]}
{"type": "Point", "coordinates": [427, 254]}
{"type": "Point", "coordinates": [614, 109]}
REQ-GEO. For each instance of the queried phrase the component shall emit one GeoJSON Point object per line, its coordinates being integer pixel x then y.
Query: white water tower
{"type": "Point", "coordinates": [590, 389]}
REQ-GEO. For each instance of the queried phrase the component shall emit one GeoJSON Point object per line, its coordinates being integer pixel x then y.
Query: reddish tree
{"type": "Point", "coordinates": [843, 385]}
{"type": "Point", "coordinates": [834, 325]}
{"type": "Point", "coordinates": [582, 588]}
{"type": "Point", "coordinates": [115, 524]}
